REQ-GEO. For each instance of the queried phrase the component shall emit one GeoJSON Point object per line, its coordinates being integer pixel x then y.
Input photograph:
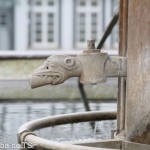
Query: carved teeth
{"type": "Point", "coordinates": [54, 77]}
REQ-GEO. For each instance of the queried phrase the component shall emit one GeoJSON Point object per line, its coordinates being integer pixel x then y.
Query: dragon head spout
{"type": "Point", "coordinates": [55, 70]}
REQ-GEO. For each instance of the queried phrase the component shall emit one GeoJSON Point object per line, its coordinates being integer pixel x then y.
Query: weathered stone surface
{"type": "Point", "coordinates": [138, 71]}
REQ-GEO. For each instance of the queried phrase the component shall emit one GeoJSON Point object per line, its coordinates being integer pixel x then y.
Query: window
{"type": "Point", "coordinates": [82, 27]}
{"type": "Point", "coordinates": [91, 20]}
{"type": "Point", "coordinates": [44, 24]}
{"type": "Point", "coordinates": [38, 2]}
{"type": "Point", "coordinates": [2, 19]}
{"type": "Point", "coordinates": [38, 28]}
{"type": "Point", "coordinates": [94, 2]}
{"type": "Point", "coordinates": [94, 26]}
{"type": "Point", "coordinates": [50, 2]}
{"type": "Point", "coordinates": [88, 25]}
{"type": "Point", "coordinates": [50, 27]}
{"type": "Point", "coordinates": [81, 3]}
{"type": "Point", "coordinates": [6, 3]}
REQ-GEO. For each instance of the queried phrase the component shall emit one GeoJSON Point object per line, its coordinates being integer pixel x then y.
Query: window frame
{"type": "Point", "coordinates": [44, 9]}
{"type": "Point", "coordinates": [88, 10]}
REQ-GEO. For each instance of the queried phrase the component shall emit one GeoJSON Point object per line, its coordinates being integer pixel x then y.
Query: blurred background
{"type": "Point", "coordinates": [32, 30]}
{"type": "Point", "coordinates": [55, 24]}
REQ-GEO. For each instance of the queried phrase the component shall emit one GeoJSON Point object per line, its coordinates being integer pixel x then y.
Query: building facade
{"type": "Point", "coordinates": [55, 24]}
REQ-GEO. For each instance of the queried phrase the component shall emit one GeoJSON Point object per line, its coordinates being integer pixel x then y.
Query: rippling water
{"type": "Point", "coordinates": [13, 115]}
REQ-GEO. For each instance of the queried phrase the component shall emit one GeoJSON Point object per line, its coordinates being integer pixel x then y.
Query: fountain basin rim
{"type": "Point", "coordinates": [25, 132]}
{"type": "Point", "coordinates": [66, 119]}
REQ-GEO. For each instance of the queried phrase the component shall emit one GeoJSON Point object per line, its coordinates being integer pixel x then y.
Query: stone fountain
{"type": "Point", "coordinates": [132, 68]}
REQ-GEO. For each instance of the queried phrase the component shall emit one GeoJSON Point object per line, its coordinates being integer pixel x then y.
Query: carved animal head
{"type": "Point", "coordinates": [55, 70]}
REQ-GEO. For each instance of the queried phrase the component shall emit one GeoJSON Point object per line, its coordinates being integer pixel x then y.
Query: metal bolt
{"type": "Point", "coordinates": [90, 44]}
{"type": "Point", "coordinates": [91, 47]}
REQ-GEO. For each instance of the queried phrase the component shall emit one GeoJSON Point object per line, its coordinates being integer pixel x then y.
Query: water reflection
{"type": "Point", "coordinates": [13, 115]}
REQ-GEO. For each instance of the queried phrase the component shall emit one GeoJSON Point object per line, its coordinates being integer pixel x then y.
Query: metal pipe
{"type": "Point", "coordinates": [65, 119]}
{"type": "Point", "coordinates": [25, 132]}
{"type": "Point", "coordinates": [116, 66]}
{"type": "Point", "coordinates": [109, 28]}
{"type": "Point", "coordinates": [83, 96]}
{"type": "Point", "coordinates": [43, 144]}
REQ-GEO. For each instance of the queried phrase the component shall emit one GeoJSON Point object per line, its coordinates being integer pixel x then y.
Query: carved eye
{"type": "Point", "coordinates": [69, 61]}
{"type": "Point", "coordinates": [47, 67]}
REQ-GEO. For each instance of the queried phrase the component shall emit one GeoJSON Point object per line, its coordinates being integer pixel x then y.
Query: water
{"type": "Point", "coordinates": [13, 115]}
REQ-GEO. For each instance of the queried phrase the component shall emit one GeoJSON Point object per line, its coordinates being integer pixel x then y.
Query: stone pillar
{"type": "Point", "coordinates": [137, 124]}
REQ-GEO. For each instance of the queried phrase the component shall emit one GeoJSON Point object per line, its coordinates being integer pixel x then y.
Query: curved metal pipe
{"type": "Point", "coordinates": [43, 144]}
{"type": "Point", "coordinates": [25, 132]}
{"type": "Point", "coordinates": [65, 119]}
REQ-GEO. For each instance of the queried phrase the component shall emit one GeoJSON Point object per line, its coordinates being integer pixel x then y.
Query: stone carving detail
{"type": "Point", "coordinates": [55, 70]}
{"type": "Point", "coordinates": [67, 62]}
{"type": "Point", "coordinates": [91, 66]}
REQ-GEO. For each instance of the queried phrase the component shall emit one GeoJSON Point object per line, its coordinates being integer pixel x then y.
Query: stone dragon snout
{"type": "Point", "coordinates": [55, 70]}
